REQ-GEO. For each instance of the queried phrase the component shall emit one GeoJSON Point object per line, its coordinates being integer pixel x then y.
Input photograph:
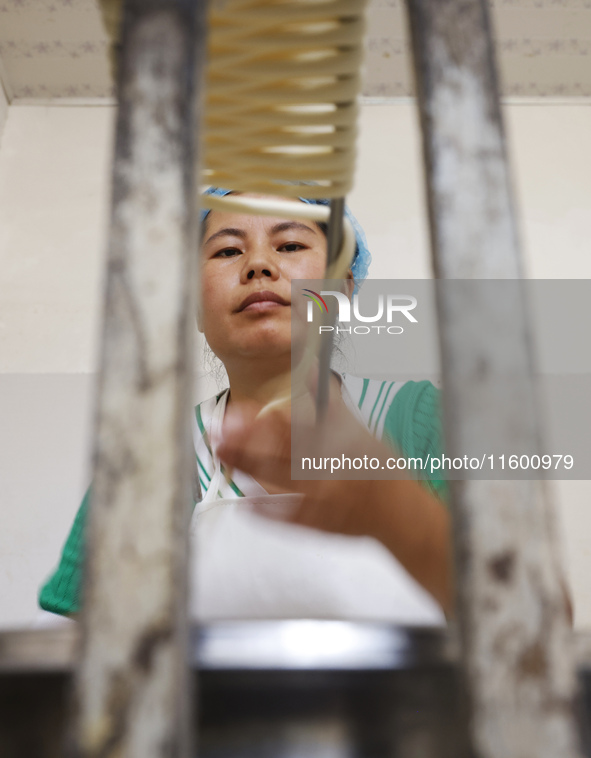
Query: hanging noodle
{"type": "Point", "coordinates": [282, 86]}
{"type": "Point", "coordinates": [282, 82]}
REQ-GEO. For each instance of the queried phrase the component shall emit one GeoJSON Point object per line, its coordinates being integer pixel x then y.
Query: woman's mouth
{"type": "Point", "coordinates": [259, 302]}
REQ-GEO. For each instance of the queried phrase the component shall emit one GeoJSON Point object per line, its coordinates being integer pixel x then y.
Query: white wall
{"type": "Point", "coordinates": [53, 207]}
{"type": "Point", "coordinates": [551, 154]}
{"type": "Point", "coordinates": [3, 109]}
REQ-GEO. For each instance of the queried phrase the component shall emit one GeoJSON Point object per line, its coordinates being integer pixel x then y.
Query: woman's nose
{"type": "Point", "coordinates": [264, 272]}
{"type": "Point", "coordinates": [260, 264]}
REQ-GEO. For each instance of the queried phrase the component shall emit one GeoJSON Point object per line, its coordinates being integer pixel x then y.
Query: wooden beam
{"type": "Point", "coordinates": [132, 691]}
{"type": "Point", "coordinates": [514, 629]}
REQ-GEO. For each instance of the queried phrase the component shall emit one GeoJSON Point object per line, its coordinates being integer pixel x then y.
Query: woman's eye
{"type": "Point", "coordinates": [228, 252]}
{"type": "Point", "coordinates": [292, 247]}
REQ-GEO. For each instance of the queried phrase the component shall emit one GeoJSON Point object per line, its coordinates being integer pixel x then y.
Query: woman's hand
{"type": "Point", "coordinates": [411, 522]}
{"type": "Point", "coordinates": [261, 445]}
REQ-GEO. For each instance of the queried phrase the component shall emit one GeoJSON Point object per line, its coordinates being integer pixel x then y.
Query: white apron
{"type": "Point", "coordinates": [245, 566]}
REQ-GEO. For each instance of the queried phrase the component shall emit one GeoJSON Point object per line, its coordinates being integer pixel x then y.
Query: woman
{"type": "Point", "coordinates": [331, 549]}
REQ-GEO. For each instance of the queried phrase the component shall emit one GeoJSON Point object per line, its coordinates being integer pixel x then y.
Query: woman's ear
{"type": "Point", "coordinates": [350, 284]}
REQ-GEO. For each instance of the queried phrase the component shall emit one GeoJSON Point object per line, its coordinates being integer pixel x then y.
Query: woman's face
{"type": "Point", "coordinates": [247, 264]}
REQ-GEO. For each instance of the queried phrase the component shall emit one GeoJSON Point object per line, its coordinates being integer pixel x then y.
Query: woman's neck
{"type": "Point", "coordinates": [260, 383]}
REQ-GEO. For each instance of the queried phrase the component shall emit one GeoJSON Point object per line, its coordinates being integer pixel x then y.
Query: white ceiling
{"type": "Point", "coordinates": [57, 48]}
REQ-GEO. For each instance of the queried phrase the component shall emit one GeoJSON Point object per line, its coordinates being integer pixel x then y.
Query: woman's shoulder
{"type": "Point", "coordinates": [211, 473]}
{"type": "Point", "coordinates": [202, 431]}
{"type": "Point", "coordinates": [404, 414]}
{"type": "Point", "coordinates": [384, 404]}
{"type": "Point", "coordinates": [203, 414]}
{"type": "Point", "coordinates": [206, 407]}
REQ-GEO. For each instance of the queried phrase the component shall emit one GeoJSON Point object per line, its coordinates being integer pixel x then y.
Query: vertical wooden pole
{"type": "Point", "coordinates": [132, 692]}
{"type": "Point", "coordinates": [515, 635]}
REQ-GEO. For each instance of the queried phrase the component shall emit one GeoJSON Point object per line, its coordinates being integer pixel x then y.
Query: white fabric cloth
{"type": "Point", "coordinates": [245, 566]}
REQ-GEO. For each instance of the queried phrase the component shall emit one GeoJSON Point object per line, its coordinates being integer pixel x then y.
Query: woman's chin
{"type": "Point", "coordinates": [271, 347]}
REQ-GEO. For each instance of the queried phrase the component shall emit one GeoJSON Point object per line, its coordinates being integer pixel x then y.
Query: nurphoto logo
{"type": "Point", "coordinates": [385, 310]}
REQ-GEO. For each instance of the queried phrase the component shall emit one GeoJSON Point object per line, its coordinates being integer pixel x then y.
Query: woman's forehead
{"type": "Point", "coordinates": [227, 218]}
{"type": "Point", "coordinates": [218, 220]}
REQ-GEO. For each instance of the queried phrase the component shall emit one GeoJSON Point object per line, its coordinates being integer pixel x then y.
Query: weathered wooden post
{"type": "Point", "coordinates": [132, 691]}
{"type": "Point", "coordinates": [514, 629]}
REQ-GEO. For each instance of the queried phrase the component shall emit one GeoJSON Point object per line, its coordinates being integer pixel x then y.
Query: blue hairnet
{"type": "Point", "coordinates": [362, 257]}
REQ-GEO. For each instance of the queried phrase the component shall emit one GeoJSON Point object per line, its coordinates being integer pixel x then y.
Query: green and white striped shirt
{"type": "Point", "coordinates": [403, 414]}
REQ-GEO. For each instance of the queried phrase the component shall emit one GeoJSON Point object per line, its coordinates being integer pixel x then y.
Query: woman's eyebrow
{"type": "Point", "coordinates": [227, 232]}
{"type": "Point", "coordinates": [286, 226]}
